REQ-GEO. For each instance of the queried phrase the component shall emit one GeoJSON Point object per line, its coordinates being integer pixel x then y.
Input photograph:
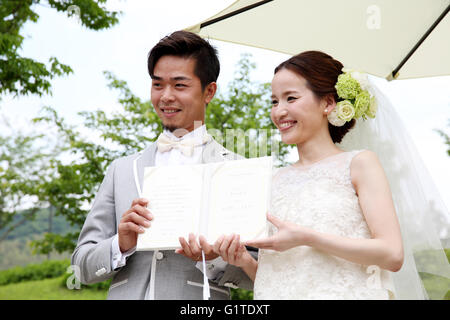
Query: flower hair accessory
{"type": "Point", "coordinates": [352, 86]}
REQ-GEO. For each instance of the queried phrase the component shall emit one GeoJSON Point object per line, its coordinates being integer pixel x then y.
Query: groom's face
{"type": "Point", "coordinates": [177, 94]}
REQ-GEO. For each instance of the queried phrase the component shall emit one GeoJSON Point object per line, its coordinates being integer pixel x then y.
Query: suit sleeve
{"type": "Point", "coordinates": [92, 255]}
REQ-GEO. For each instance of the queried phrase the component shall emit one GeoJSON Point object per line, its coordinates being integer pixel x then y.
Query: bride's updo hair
{"type": "Point", "coordinates": [321, 72]}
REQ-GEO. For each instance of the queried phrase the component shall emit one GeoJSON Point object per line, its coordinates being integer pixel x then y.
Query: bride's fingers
{"type": "Point", "coordinates": [194, 246]}
{"type": "Point", "coordinates": [274, 220]}
{"type": "Point", "coordinates": [180, 251]}
{"type": "Point", "coordinates": [185, 246]}
{"type": "Point", "coordinates": [217, 244]}
{"type": "Point", "coordinates": [204, 245]}
{"type": "Point", "coordinates": [224, 247]}
{"type": "Point", "coordinates": [240, 251]}
{"type": "Point", "coordinates": [232, 249]}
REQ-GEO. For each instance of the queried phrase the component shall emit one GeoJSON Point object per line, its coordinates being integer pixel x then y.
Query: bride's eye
{"type": "Point", "coordinates": [274, 102]}
{"type": "Point", "coordinates": [291, 98]}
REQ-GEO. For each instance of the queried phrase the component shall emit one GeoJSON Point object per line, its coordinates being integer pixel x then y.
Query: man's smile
{"type": "Point", "coordinates": [169, 111]}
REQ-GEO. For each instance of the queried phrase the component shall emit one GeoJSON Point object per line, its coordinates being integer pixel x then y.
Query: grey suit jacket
{"type": "Point", "coordinates": [176, 276]}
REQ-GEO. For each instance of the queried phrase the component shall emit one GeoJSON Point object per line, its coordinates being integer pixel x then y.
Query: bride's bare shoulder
{"type": "Point", "coordinates": [364, 165]}
{"type": "Point", "coordinates": [364, 158]}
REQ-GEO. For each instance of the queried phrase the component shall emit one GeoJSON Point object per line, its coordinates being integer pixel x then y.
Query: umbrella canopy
{"type": "Point", "coordinates": [391, 39]}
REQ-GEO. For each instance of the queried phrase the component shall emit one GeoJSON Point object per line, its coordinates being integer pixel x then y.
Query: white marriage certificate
{"type": "Point", "coordinates": [206, 199]}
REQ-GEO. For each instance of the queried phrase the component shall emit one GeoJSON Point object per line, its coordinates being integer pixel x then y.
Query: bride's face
{"type": "Point", "coordinates": [296, 111]}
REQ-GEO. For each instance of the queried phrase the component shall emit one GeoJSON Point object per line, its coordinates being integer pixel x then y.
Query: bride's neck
{"type": "Point", "coordinates": [316, 149]}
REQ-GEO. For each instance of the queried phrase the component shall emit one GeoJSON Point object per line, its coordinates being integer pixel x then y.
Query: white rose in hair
{"type": "Point", "coordinates": [362, 79]}
{"type": "Point", "coordinates": [334, 119]}
{"type": "Point", "coordinates": [345, 110]}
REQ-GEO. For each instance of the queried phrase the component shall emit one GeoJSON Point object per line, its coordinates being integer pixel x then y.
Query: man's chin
{"type": "Point", "coordinates": [176, 131]}
{"type": "Point", "coordinates": [170, 128]}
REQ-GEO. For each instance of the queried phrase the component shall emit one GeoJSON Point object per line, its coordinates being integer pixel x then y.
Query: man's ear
{"type": "Point", "coordinates": [209, 92]}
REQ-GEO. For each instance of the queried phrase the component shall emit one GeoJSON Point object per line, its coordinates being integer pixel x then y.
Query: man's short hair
{"type": "Point", "coordinates": [188, 45]}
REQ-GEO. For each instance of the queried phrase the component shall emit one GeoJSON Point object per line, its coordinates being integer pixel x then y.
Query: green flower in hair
{"type": "Point", "coordinates": [372, 110]}
{"type": "Point", "coordinates": [347, 87]}
{"type": "Point", "coordinates": [362, 103]}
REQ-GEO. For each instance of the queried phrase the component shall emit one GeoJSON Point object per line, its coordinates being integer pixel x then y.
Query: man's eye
{"type": "Point", "coordinates": [180, 85]}
{"type": "Point", "coordinates": [156, 85]}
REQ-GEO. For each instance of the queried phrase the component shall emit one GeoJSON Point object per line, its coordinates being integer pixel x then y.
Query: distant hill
{"type": "Point", "coordinates": [15, 249]}
{"type": "Point", "coordinates": [39, 225]}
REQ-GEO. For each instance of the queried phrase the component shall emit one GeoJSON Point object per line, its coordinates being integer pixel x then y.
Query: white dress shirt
{"type": "Point", "coordinates": [173, 157]}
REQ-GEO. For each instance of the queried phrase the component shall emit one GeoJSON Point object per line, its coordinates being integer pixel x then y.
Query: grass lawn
{"type": "Point", "coordinates": [51, 289]}
{"type": "Point", "coordinates": [436, 286]}
{"type": "Point", "coordinates": [48, 289]}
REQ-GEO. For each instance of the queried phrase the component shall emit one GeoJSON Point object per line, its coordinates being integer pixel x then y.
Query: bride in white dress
{"type": "Point", "coordinates": [333, 232]}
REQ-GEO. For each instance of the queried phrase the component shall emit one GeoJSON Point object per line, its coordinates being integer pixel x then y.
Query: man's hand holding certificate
{"type": "Point", "coordinates": [208, 199]}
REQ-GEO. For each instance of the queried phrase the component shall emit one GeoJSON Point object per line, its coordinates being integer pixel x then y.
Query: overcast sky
{"type": "Point", "coordinates": [424, 104]}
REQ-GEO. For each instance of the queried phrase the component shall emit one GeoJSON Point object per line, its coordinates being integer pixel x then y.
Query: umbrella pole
{"type": "Point", "coordinates": [228, 15]}
{"type": "Point", "coordinates": [395, 73]}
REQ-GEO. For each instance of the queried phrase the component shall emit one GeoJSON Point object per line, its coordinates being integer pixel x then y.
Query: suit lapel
{"type": "Point", "coordinates": [213, 152]}
{"type": "Point", "coordinates": [145, 159]}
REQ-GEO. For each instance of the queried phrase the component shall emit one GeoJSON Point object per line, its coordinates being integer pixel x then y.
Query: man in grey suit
{"type": "Point", "coordinates": [184, 70]}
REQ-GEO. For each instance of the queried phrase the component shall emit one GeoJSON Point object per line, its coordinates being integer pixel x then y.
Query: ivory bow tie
{"type": "Point", "coordinates": [186, 146]}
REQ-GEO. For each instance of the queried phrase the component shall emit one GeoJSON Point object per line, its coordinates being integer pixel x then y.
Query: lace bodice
{"type": "Point", "coordinates": [320, 196]}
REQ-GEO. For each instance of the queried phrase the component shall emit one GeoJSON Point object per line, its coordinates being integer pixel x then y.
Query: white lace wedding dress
{"type": "Point", "coordinates": [320, 196]}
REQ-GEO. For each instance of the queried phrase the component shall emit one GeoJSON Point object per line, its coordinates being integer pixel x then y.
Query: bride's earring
{"type": "Point", "coordinates": [326, 110]}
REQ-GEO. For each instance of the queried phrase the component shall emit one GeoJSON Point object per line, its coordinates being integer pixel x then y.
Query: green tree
{"type": "Point", "coordinates": [240, 118]}
{"type": "Point", "coordinates": [26, 162]}
{"type": "Point", "coordinates": [20, 75]}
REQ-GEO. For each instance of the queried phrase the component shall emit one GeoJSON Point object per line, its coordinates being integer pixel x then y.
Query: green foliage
{"type": "Point", "coordinates": [45, 270]}
{"type": "Point", "coordinates": [18, 252]}
{"type": "Point", "coordinates": [20, 75]}
{"type": "Point", "coordinates": [15, 249]}
{"type": "Point", "coordinates": [55, 242]}
{"type": "Point", "coordinates": [25, 171]}
{"type": "Point", "coordinates": [241, 294]}
{"type": "Point", "coordinates": [38, 226]}
{"type": "Point", "coordinates": [437, 287]}
{"type": "Point", "coordinates": [240, 119]}
{"type": "Point", "coordinates": [129, 130]}
{"type": "Point", "coordinates": [47, 289]}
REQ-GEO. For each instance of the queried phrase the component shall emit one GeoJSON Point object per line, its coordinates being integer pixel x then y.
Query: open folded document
{"type": "Point", "coordinates": [207, 199]}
